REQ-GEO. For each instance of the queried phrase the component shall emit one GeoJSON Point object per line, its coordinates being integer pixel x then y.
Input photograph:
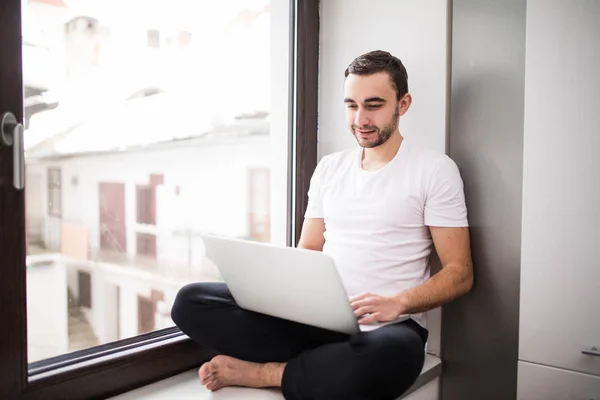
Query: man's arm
{"type": "Point", "coordinates": [454, 280]}
{"type": "Point", "coordinates": [312, 237]}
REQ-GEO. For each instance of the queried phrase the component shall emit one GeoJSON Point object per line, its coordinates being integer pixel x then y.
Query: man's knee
{"type": "Point", "coordinates": [391, 363]}
{"type": "Point", "coordinates": [183, 303]}
{"type": "Point", "coordinates": [190, 300]}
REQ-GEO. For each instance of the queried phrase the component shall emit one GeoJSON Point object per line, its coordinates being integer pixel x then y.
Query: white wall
{"type": "Point", "coordinates": [131, 282]}
{"type": "Point", "coordinates": [415, 31]}
{"type": "Point", "coordinates": [36, 208]}
{"type": "Point", "coordinates": [212, 181]}
{"type": "Point", "coordinates": [561, 169]}
{"type": "Point", "coordinates": [47, 309]}
{"type": "Point", "coordinates": [129, 308]}
{"type": "Point", "coordinates": [213, 186]}
{"type": "Point", "coordinates": [111, 322]}
{"type": "Point", "coordinates": [560, 273]}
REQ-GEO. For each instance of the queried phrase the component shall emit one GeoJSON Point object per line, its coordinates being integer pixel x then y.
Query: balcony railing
{"type": "Point", "coordinates": [178, 254]}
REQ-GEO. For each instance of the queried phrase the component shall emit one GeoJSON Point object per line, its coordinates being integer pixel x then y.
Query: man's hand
{"type": "Point", "coordinates": [378, 308]}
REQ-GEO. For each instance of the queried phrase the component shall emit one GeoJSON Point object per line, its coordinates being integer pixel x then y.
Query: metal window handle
{"type": "Point", "coordinates": [11, 134]}
{"type": "Point", "coordinates": [592, 351]}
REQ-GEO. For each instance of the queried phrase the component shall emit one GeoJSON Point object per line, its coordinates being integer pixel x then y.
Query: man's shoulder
{"type": "Point", "coordinates": [338, 159]}
{"type": "Point", "coordinates": [424, 154]}
{"type": "Point", "coordinates": [426, 158]}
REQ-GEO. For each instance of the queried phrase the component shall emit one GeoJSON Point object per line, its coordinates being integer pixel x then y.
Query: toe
{"type": "Point", "coordinates": [214, 385]}
{"type": "Point", "coordinates": [205, 371]}
{"type": "Point", "coordinates": [208, 382]}
{"type": "Point", "coordinates": [207, 379]}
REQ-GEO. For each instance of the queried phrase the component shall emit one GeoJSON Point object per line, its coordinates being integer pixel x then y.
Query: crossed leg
{"type": "Point", "coordinates": [307, 362]}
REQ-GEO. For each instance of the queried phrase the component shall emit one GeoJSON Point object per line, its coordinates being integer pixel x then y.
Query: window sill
{"type": "Point", "coordinates": [115, 372]}
{"type": "Point", "coordinates": [187, 386]}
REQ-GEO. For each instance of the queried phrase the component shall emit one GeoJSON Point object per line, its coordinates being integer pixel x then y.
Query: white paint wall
{"type": "Point", "coordinates": [561, 167]}
{"type": "Point", "coordinates": [414, 31]}
{"type": "Point", "coordinates": [111, 318]}
{"type": "Point", "coordinates": [560, 273]}
{"type": "Point", "coordinates": [36, 208]}
{"type": "Point", "coordinates": [104, 315]}
{"type": "Point", "coordinates": [212, 180]}
{"type": "Point", "coordinates": [47, 310]}
{"type": "Point", "coordinates": [213, 187]}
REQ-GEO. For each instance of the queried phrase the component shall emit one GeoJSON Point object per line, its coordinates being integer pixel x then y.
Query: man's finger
{"type": "Point", "coordinates": [360, 303]}
{"type": "Point", "coordinates": [366, 320]}
{"type": "Point", "coordinates": [361, 296]}
{"type": "Point", "coordinates": [371, 319]}
{"type": "Point", "coordinates": [363, 310]}
{"type": "Point", "coordinates": [369, 301]}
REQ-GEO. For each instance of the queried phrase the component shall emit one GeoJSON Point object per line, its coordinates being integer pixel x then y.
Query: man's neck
{"type": "Point", "coordinates": [376, 157]}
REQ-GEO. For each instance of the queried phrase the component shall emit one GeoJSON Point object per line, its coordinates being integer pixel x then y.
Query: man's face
{"type": "Point", "coordinates": [372, 108]}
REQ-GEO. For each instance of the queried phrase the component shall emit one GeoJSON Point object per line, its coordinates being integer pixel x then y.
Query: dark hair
{"type": "Point", "coordinates": [381, 61]}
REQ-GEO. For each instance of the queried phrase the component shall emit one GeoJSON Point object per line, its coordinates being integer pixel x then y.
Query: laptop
{"type": "Point", "coordinates": [290, 283]}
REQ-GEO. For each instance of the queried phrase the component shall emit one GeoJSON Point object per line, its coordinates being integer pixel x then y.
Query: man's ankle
{"type": "Point", "coordinates": [272, 374]}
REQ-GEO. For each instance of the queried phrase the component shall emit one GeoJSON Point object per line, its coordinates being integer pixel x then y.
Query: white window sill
{"type": "Point", "coordinates": [187, 386]}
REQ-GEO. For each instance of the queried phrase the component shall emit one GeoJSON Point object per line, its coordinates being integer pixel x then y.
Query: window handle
{"type": "Point", "coordinates": [11, 134]}
{"type": "Point", "coordinates": [592, 351]}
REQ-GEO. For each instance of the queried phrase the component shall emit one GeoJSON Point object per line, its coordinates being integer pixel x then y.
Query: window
{"type": "Point", "coordinates": [156, 38]}
{"type": "Point", "coordinates": [85, 289]}
{"type": "Point", "coordinates": [146, 244]}
{"type": "Point", "coordinates": [119, 221]}
{"type": "Point", "coordinates": [54, 192]}
{"type": "Point", "coordinates": [145, 205]}
{"type": "Point", "coordinates": [153, 38]}
{"type": "Point", "coordinates": [184, 39]}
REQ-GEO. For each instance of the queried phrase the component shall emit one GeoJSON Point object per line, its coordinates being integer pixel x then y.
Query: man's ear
{"type": "Point", "coordinates": [404, 104]}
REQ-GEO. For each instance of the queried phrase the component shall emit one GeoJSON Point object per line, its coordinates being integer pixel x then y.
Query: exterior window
{"type": "Point", "coordinates": [153, 38]}
{"type": "Point", "coordinates": [54, 192]}
{"type": "Point", "coordinates": [144, 153]}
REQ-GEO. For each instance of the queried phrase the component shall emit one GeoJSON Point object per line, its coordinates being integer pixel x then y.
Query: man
{"type": "Point", "coordinates": [377, 210]}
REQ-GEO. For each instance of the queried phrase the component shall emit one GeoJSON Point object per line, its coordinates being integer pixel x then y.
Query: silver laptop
{"type": "Point", "coordinates": [295, 284]}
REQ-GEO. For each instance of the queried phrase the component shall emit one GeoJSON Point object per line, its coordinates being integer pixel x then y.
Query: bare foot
{"type": "Point", "coordinates": [224, 371]}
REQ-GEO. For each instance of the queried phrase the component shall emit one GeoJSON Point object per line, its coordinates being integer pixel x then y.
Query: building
{"type": "Point", "coordinates": [114, 210]}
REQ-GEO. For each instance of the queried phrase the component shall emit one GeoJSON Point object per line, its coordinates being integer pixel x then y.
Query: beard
{"type": "Point", "coordinates": [381, 134]}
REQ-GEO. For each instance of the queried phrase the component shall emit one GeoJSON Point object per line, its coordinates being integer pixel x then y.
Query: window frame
{"type": "Point", "coordinates": [121, 366]}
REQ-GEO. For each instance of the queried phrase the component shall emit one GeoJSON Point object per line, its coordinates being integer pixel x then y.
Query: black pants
{"type": "Point", "coordinates": [321, 364]}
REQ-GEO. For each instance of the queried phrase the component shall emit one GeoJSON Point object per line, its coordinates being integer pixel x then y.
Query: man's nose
{"type": "Point", "coordinates": [361, 118]}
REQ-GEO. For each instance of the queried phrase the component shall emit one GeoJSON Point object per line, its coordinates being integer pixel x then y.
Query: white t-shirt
{"type": "Point", "coordinates": [376, 223]}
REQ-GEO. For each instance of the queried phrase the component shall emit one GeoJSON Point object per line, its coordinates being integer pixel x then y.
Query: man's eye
{"type": "Point", "coordinates": [375, 106]}
{"type": "Point", "coordinates": [351, 105]}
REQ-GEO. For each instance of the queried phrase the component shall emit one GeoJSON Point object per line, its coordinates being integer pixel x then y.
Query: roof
{"type": "Point", "coordinates": [96, 112]}
{"type": "Point", "coordinates": [142, 124]}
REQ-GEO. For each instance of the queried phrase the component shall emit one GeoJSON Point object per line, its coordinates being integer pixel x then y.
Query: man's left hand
{"type": "Point", "coordinates": [372, 308]}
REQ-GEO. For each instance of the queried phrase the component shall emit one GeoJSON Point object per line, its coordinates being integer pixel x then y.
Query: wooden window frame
{"type": "Point", "coordinates": [121, 366]}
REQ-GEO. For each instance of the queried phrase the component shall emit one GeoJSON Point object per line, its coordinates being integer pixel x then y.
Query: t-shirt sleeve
{"type": "Point", "coordinates": [445, 200]}
{"type": "Point", "coordinates": [314, 208]}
